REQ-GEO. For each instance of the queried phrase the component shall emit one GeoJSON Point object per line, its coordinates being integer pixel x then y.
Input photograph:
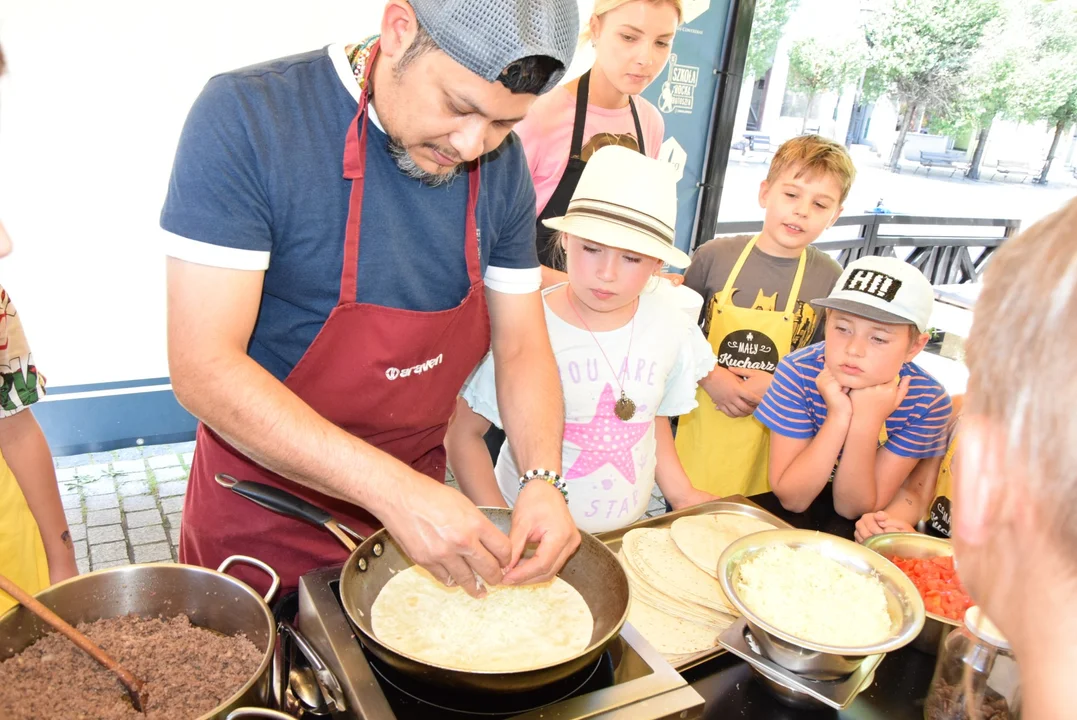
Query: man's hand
{"type": "Point", "coordinates": [540, 516]}
{"type": "Point", "coordinates": [877, 523]}
{"type": "Point", "coordinates": [443, 532]}
{"type": "Point", "coordinates": [834, 395]}
{"type": "Point", "coordinates": [730, 394]}
{"type": "Point", "coordinates": [874, 404]}
{"type": "Point", "coordinates": [757, 381]}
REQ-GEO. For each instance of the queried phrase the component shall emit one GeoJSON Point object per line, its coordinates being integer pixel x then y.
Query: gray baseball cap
{"type": "Point", "coordinates": [486, 36]}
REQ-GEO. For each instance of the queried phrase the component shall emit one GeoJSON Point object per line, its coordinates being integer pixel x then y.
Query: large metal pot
{"type": "Point", "coordinates": [593, 570]}
{"type": "Point", "coordinates": [210, 598]}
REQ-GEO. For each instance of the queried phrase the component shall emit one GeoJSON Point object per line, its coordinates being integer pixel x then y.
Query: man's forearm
{"type": "Point", "coordinates": [267, 422]}
{"type": "Point", "coordinates": [27, 454]}
{"type": "Point", "coordinates": [531, 405]}
{"type": "Point", "coordinates": [809, 472]}
{"type": "Point", "coordinates": [854, 481]}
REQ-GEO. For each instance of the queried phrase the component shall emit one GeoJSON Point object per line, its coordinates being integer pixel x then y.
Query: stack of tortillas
{"type": "Point", "coordinates": [677, 603]}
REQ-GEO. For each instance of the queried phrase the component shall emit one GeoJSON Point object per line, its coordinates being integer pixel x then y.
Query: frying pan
{"type": "Point", "coordinates": [593, 571]}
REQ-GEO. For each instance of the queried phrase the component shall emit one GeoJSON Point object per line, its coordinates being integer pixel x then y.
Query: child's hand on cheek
{"type": "Point", "coordinates": [836, 397]}
{"type": "Point", "coordinates": [874, 404]}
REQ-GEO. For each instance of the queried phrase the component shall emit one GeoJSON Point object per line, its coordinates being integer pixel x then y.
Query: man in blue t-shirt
{"type": "Point", "coordinates": [349, 230]}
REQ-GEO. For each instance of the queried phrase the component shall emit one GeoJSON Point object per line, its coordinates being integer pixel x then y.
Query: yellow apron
{"type": "Point", "coordinates": [724, 455]}
{"type": "Point", "coordinates": [22, 554]}
{"type": "Point", "coordinates": [937, 520]}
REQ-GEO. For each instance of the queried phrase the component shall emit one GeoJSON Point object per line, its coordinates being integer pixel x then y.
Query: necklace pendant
{"type": "Point", "coordinates": [624, 408]}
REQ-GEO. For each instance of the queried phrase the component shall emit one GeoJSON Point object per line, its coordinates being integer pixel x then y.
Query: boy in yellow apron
{"type": "Point", "coordinates": [758, 291]}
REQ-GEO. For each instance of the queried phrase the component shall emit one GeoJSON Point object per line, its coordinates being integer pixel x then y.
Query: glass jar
{"type": "Point", "coordinates": [976, 675]}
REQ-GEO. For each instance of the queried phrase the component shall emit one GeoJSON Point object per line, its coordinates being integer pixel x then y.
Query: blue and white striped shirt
{"type": "Point", "coordinates": [793, 406]}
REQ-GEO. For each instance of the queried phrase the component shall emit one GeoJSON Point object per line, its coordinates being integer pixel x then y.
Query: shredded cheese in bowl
{"type": "Point", "coordinates": [814, 598]}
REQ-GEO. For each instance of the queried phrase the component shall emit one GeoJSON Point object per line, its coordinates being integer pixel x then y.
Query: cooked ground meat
{"type": "Point", "coordinates": [187, 672]}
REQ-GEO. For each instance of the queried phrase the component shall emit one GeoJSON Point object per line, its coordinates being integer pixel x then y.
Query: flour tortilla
{"type": "Point", "coordinates": [703, 538]}
{"type": "Point", "coordinates": [646, 593]}
{"type": "Point", "coordinates": [668, 635]}
{"type": "Point", "coordinates": [654, 556]}
{"type": "Point", "coordinates": [513, 628]}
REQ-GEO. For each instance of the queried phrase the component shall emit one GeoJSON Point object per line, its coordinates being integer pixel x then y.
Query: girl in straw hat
{"type": "Point", "coordinates": [629, 359]}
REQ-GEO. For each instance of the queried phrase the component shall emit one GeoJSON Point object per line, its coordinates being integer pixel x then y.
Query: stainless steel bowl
{"type": "Point", "coordinates": [211, 599]}
{"type": "Point", "coordinates": [917, 545]}
{"type": "Point", "coordinates": [813, 660]}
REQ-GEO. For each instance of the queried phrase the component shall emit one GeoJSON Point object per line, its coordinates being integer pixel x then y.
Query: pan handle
{"type": "Point", "coordinates": [246, 560]}
{"type": "Point", "coordinates": [285, 503]}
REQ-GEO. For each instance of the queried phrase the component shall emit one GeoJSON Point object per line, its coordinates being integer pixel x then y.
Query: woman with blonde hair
{"type": "Point", "coordinates": [632, 40]}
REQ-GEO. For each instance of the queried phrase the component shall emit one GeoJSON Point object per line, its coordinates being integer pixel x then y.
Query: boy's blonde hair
{"type": "Point", "coordinates": [813, 154]}
{"type": "Point", "coordinates": [604, 6]}
{"type": "Point", "coordinates": [1020, 357]}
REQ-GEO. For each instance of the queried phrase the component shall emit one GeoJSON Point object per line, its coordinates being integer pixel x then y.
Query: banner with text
{"type": "Point", "coordinates": [684, 94]}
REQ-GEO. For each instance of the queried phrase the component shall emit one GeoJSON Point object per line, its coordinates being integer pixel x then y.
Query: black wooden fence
{"type": "Point", "coordinates": [947, 250]}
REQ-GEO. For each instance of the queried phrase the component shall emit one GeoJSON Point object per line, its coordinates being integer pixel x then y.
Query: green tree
{"type": "Point", "coordinates": [768, 24]}
{"type": "Point", "coordinates": [921, 50]}
{"type": "Point", "coordinates": [819, 65]}
{"type": "Point", "coordinates": [1047, 86]}
{"type": "Point", "coordinates": [989, 90]}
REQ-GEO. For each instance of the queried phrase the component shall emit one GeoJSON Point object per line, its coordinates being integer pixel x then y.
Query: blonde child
{"type": "Point", "coordinates": [757, 292]}
{"type": "Point", "coordinates": [1015, 490]}
{"type": "Point", "coordinates": [628, 358]}
{"type": "Point", "coordinates": [857, 401]}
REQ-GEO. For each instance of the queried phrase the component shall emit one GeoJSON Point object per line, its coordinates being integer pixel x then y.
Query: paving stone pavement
{"type": "Point", "coordinates": [126, 506]}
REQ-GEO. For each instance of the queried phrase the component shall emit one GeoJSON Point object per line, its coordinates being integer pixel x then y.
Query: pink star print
{"type": "Point", "coordinates": [606, 439]}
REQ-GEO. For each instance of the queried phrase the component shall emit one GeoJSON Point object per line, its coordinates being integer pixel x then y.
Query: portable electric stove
{"type": "Point", "coordinates": [630, 681]}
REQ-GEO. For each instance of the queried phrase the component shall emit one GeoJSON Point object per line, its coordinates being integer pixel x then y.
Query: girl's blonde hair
{"type": "Point", "coordinates": [604, 6]}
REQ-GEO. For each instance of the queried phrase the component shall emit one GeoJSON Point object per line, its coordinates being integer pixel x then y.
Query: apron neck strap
{"type": "Point", "coordinates": [580, 120]}
{"type": "Point", "coordinates": [354, 170]}
{"type": "Point", "coordinates": [794, 292]}
{"type": "Point", "coordinates": [639, 128]}
{"type": "Point", "coordinates": [727, 289]}
{"type": "Point", "coordinates": [355, 141]}
{"type": "Point", "coordinates": [583, 89]}
{"type": "Point", "coordinates": [798, 279]}
{"type": "Point", "coordinates": [472, 250]}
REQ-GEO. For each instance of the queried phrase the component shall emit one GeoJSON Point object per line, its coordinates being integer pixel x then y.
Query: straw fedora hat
{"type": "Point", "coordinates": [625, 200]}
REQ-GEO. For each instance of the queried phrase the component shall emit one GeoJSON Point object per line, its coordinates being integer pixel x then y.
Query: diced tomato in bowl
{"type": "Point", "coordinates": [936, 579]}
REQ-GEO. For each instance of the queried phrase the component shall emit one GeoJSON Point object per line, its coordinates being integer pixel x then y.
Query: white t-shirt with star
{"type": "Point", "coordinates": [608, 463]}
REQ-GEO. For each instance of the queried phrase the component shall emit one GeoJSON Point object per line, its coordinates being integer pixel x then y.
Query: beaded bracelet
{"type": "Point", "coordinates": [547, 475]}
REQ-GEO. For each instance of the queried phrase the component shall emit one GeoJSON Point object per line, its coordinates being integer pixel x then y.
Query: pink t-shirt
{"type": "Point", "coordinates": [546, 133]}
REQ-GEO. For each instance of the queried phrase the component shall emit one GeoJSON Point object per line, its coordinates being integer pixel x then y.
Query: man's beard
{"type": "Point", "coordinates": [407, 165]}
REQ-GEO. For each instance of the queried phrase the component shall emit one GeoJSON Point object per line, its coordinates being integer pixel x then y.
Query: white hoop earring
{"type": "Point", "coordinates": [652, 284]}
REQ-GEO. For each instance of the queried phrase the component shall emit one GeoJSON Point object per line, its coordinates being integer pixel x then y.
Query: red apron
{"type": "Point", "coordinates": [385, 375]}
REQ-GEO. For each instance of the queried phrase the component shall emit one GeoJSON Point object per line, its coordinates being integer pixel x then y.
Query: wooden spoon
{"type": "Point", "coordinates": [131, 683]}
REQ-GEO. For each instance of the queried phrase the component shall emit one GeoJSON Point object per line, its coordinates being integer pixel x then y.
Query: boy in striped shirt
{"type": "Point", "coordinates": [855, 407]}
